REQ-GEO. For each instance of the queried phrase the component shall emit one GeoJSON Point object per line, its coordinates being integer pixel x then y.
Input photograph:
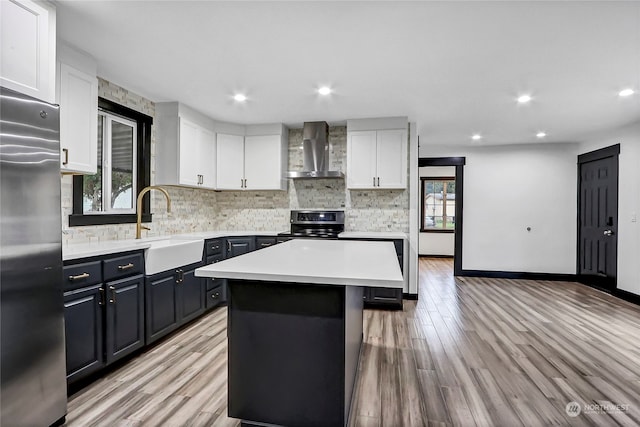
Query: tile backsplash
{"type": "Point", "coordinates": [201, 210]}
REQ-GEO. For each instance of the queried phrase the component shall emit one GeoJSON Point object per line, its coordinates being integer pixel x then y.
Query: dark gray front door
{"type": "Point", "coordinates": [598, 217]}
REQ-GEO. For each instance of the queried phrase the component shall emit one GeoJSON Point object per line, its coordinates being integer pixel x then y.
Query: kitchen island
{"type": "Point", "coordinates": [295, 327]}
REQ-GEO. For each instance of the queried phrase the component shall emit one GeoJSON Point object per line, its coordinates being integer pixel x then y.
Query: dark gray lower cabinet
{"type": "Point", "coordinates": [124, 317]}
{"type": "Point", "coordinates": [264, 242]}
{"type": "Point", "coordinates": [190, 296]}
{"type": "Point", "coordinates": [103, 323]}
{"type": "Point", "coordinates": [172, 298]}
{"type": "Point", "coordinates": [389, 297]}
{"type": "Point", "coordinates": [216, 293]}
{"type": "Point", "coordinates": [239, 245]}
{"type": "Point", "coordinates": [84, 331]}
{"type": "Point", "coordinates": [161, 301]}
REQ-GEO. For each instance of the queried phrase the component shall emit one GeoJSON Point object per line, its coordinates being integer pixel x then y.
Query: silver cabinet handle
{"type": "Point", "coordinates": [79, 277]}
{"type": "Point", "coordinates": [125, 267]}
{"type": "Point", "coordinates": [374, 181]}
{"type": "Point", "coordinates": [608, 232]}
{"type": "Point", "coordinates": [378, 181]}
{"type": "Point", "coordinates": [241, 183]}
{"type": "Point", "coordinates": [245, 183]}
{"type": "Point", "coordinates": [66, 156]}
{"type": "Point", "coordinates": [102, 296]}
{"type": "Point", "coordinates": [113, 295]}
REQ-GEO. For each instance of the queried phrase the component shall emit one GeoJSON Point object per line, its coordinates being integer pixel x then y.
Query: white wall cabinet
{"type": "Point", "coordinates": [263, 166]}
{"type": "Point", "coordinates": [230, 156]}
{"type": "Point", "coordinates": [377, 159]}
{"type": "Point", "coordinates": [255, 161]}
{"type": "Point", "coordinates": [196, 155]}
{"type": "Point", "coordinates": [186, 147]}
{"type": "Point", "coordinates": [28, 48]}
{"type": "Point", "coordinates": [77, 94]}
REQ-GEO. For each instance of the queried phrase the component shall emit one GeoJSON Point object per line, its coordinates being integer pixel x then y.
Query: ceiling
{"type": "Point", "coordinates": [454, 68]}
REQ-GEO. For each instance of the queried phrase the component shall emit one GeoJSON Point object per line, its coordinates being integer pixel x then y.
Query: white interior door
{"type": "Point", "coordinates": [229, 162]}
{"type": "Point", "coordinates": [361, 159]}
{"type": "Point", "coordinates": [391, 162]}
{"type": "Point", "coordinates": [262, 168]}
{"type": "Point", "coordinates": [188, 153]}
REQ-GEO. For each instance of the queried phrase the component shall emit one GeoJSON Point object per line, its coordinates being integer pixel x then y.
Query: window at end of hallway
{"type": "Point", "coordinates": [438, 204]}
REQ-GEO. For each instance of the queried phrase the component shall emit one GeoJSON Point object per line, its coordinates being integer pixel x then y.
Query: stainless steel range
{"type": "Point", "coordinates": [315, 223]}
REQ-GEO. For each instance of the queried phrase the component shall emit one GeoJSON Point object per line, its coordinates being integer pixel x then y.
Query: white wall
{"type": "Point", "coordinates": [510, 188]}
{"type": "Point", "coordinates": [436, 243]}
{"type": "Point", "coordinates": [628, 200]}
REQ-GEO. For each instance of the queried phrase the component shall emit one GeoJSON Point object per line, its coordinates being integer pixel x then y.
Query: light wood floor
{"type": "Point", "coordinates": [483, 352]}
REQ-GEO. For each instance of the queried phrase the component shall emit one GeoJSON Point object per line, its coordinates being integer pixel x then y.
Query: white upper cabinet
{"type": "Point", "coordinates": [263, 165]}
{"type": "Point", "coordinates": [28, 48]}
{"type": "Point", "coordinates": [230, 167]}
{"type": "Point", "coordinates": [256, 161]}
{"type": "Point", "coordinates": [188, 170]}
{"type": "Point", "coordinates": [391, 163]}
{"type": "Point", "coordinates": [362, 154]}
{"type": "Point", "coordinates": [186, 147]}
{"type": "Point", "coordinates": [377, 153]}
{"type": "Point", "coordinates": [77, 94]}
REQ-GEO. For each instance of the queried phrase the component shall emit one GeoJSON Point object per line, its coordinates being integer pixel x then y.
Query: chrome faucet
{"type": "Point", "coordinates": [145, 190]}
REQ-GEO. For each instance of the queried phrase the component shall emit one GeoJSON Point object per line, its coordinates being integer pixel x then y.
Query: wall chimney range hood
{"type": "Point", "coordinates": [315, 151]}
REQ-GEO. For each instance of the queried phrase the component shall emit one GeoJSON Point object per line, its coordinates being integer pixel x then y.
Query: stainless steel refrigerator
{"type": "Point", "coordinates": [33, 388]}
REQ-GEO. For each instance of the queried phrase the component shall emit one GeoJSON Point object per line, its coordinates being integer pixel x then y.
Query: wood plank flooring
{"type": "Point", "coordinates": [470, 352]}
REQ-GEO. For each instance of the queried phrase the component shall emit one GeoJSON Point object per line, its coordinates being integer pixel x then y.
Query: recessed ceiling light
{"type": "Point", "coordinates": [626, 92]}
{"type": "Point", "coordinates": [240, 97]}
{"type": "Point", "coordinates": [541, 134]}
{"type": "Point", "coordinates": [523, 99]}
{"type": "Point", "coordinates": [324, 90]}
{"type": "Point", "coordinates": [476, 137]}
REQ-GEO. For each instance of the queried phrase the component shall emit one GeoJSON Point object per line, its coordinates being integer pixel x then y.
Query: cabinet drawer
{"type": "Point", "coordinates": [214, 246]}
{"type": "Point", "coordinates": [122, 266]}
{"type": "Point", "coordinates": [212, 283]}
{"type": "Point", "coordinates": [214, 297]}
{"type": "Point", "coordinates": [387, 296]}
{"type": "Point", "coordinates": [81, 275]}
{"type": "Point", "coordinates": [214, 258]}
{"type": "Point", "coordinates": [264, 242]}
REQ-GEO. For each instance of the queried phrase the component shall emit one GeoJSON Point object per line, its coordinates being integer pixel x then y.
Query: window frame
{"type": "Point", "coordinates": [142, 174]}
{"type": "Point", "coordinates": [423, 229]}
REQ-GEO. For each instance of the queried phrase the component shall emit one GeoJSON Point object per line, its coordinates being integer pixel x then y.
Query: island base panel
{"type": "Point", "coordinates": [287, 353]}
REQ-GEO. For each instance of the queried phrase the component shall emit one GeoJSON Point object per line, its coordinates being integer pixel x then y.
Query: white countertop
{"type": "Point", "coordinates": [372, 235]}
{"type": "Point", "coordinates": [334, 262]}
{"type": "Point", "coordinates": [85, 250]}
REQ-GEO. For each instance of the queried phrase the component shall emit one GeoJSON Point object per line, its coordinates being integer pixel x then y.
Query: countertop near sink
{"type": "Point", "coordinates": [85, 250]}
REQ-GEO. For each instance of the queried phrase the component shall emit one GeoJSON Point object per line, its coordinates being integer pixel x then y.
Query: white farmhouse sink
{"type": "Point", "coordinates": [173, 252]}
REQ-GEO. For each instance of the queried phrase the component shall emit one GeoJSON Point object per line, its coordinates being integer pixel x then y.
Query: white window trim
{"type": "Point", "coordinates": [106, 163]}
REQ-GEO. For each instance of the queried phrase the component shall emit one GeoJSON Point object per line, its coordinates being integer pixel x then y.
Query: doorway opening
{"type": "Point", "coordinates": [441, 194]}
{"type": "Point", "coordinates": [597, 246]}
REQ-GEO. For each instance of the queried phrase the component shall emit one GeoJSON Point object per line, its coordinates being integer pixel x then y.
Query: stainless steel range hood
{"type": "Point", "coordinates": [315, 149]}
